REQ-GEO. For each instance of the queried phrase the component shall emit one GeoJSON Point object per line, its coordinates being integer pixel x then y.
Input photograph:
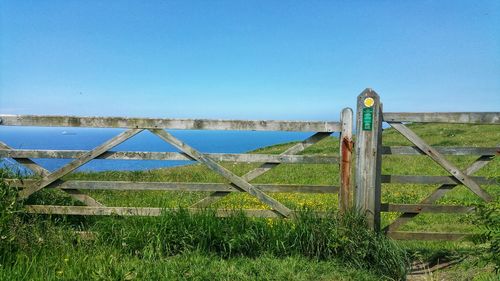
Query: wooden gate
{"type": "Point", "coordinates": [369, 160]}
{"type": "Point", "coordinates": [134, 126]}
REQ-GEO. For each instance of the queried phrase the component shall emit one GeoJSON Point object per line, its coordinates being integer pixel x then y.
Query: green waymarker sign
{"type": "Point", "coordinates": [367, 118]}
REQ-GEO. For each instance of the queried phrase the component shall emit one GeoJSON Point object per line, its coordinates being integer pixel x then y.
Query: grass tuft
{"type": "Point", "coordinates": [345, 238]}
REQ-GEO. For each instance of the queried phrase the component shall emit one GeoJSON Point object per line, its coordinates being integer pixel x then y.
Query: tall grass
{"type": "Point", "coordinates": [345, 238]}
{"type": "Point", "coordinates": [106, 263]}
{"type": "Point", "coordinates": [23, 233]}
{"type": "Point", "coordinates": [9, 209]}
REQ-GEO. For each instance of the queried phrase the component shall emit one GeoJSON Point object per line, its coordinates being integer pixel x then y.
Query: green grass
{"type": "Point", "coordinates": [165, 247]}
{"type": "Point", "coordinates": [275, 266]}
{"type": "Point", "coordinates": [109, 264]}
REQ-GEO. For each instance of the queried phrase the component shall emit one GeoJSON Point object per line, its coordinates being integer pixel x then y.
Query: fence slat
{"type": "Point", "coordinates": [143, 211]}
{"type": "Point", "coordinates": [143, 155]}
{"type": "Point", "coordinates": [162, 123]}
{"type": "Point", "coordinates": [176, 186]}
{"type": "Point", "coordinates": [434, 179]}
{"type": "Point", "coordinates": [427, 208]}
{"type": "Point", "coordinates": [413, 150]}
{"type": "Point", "coordinates": [130, 211]}
{"type": "Point", "coordinates": [406, 235]}
{"type": "Point", "coordinates": [444, 117]}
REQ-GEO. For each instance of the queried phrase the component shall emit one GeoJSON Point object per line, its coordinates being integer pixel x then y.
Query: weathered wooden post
{"type": "Point", "coordinates": [368, 156]}
{"type": "Point", "coordinates": [346, 146]}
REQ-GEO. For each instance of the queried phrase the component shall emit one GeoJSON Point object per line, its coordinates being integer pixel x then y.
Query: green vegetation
{"type": "Point", "coordinates": [344, 238]}
{"type": "Point", "coordinates": [201, 247]}
{"type": "Point", "coordinates": [184, 246]}
{"type": "Point", "coordinates": [488, 221]}
{"type": "Point", "coordinates": [107, 263]}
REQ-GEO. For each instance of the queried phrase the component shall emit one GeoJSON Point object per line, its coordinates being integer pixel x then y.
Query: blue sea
{"type": "Point", "coordinates": [89, 138]}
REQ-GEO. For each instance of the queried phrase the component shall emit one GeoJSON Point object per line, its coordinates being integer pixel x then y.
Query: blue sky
{"type": "Point", "coordinates": [247, 59]}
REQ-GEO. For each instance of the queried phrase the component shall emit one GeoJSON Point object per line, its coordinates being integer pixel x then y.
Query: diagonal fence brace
{"type": "Point", "coordinates": [68, 168]}
{"type": "Point", "coordinates": [439, 159]}
{"type": "Point", "coordinates": [218, 195]}
{"type": "Point", "coordinates": [438, 193]}
{"type": "Point", "coordinates": [214, 166]}
{"type": "Point", "coordinates": [37, 169]}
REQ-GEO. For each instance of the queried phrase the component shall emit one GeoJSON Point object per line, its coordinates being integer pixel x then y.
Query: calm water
{"type": "Point", "coordinates": [88, 138]}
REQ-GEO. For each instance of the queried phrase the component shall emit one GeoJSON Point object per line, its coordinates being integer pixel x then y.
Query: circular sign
{"type": "Point", "coordinates": [369, 102]}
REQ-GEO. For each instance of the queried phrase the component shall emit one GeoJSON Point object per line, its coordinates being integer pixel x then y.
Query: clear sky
{"type": "Point", "coordinates": [246, 59]}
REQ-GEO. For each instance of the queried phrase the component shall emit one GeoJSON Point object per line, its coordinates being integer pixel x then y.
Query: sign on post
{"type": "Point", "coordinates": [367, 118]}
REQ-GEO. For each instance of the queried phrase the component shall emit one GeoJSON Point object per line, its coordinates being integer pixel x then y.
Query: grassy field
{"type": "Point", "coordinates": [72, 258]}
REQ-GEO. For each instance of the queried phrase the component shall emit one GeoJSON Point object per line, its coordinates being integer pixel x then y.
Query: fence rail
{"type": "Point", "coordinates": [143, 155]}
{"type": "Point", "coordinates": [413, 150]}
{"type": "Point", "coordinates": [162, 123]}
{"type": "Point", "coordinates": [174, 186]}
{"type": "Point", "coordinates": [444, 117]}
{"type": "Point", "coordinates": [139, 211]}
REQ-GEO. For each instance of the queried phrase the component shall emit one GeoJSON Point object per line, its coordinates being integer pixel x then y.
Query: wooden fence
{"type": "Point", "coordinates": [369, 178]}
{"type": "Point", "coordinates": [368, 174]}
{"type": "Point", "coordinates": [211, 160]}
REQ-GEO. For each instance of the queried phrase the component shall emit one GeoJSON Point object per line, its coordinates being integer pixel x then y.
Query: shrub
{"type": "Point", "coordinates": [22, 232]}
{"type": "Point", "coordinates": [488, 221]}
{"type": "Point", "coordinates": [9, 217]}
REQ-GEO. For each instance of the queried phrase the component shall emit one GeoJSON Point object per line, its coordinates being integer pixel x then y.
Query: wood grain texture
{"type": "Point", "coordinates": [175, 186]}
{"type": "Point", "coordinates": [346, 148]}
{"type": "Point", "coordinates": [405, 235]}
{"type": "Point", "coordinates": [163, 123]}
{"type": "Point", "coordinates": [425, 208]}
{"type": "Point", "coordinates": [125, 211]}
{"type": "Point", "coordinates": [413, 150]}
{"type": "Point", "coordinates": [368, 160]}
{"type": "Point", "coordinates": [144, 155]}
{"type": "Point", "coordinates": [444, 117]}
{"type": "Point", "coordinates": [404, 179]}
{"type": "Point", "coordinates": [134, 211]}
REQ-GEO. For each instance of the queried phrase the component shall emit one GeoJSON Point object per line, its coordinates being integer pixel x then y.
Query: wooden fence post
{"type": "Point", "coordinates": [346, 146]}
{"type": "Point", "coordinates": [368, 156]}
